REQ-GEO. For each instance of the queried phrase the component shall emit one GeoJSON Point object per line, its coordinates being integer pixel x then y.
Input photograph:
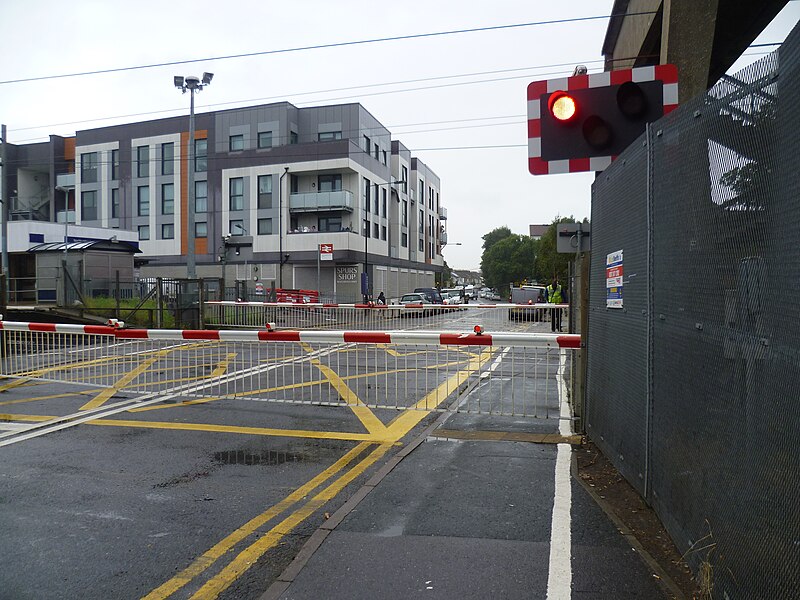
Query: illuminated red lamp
{"type": "Point", "coordinates": [562, 106]}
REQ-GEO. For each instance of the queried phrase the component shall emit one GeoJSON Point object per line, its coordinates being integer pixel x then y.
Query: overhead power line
{"type": "Point", "coordinates": [326, 46]}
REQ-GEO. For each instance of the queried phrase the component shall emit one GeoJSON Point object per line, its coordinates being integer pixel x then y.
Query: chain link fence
{"type": "Point", "coordinates": [692, 383]}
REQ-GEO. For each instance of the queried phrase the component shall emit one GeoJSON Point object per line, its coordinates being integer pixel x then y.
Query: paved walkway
{"type": "Point", "coordinates": [470, 518]}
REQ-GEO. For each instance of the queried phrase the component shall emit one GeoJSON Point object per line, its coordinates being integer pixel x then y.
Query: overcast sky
{"type": "Point", "coordinates": [473, 135]}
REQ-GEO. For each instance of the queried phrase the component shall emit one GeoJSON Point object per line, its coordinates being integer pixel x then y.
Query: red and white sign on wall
{"type": "Point", "coordinates": [582, 123]}
{"type": "Point", "coordinates": [326, 251]}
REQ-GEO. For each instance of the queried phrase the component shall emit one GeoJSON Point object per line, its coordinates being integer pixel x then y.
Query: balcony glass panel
{"type": "Point", "coordinates": [321, 201]}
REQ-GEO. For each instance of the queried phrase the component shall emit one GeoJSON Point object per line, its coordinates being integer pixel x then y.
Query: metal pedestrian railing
{"type": "Point", "coordinates": [515, 374]}
{"type": "Point", "coordinates": [494, 317]}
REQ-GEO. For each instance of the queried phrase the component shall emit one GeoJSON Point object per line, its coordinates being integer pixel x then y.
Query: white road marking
{"type": "Point", "coordinates": [559, 580]}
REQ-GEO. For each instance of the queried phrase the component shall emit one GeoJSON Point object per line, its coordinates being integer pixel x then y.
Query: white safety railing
{"type": "Point", "coordinates": [500, 374]}
{"type": "Point", "coordinates": [494, 317]}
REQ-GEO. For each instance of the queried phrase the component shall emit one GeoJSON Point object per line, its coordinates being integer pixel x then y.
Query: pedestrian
{"type": "Point", "coordinates": [381, 298]}
{"type": "Point", "coordinates": [555, 295]}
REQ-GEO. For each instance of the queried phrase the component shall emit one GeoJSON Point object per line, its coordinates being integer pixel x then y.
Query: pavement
{"type": "Point", "coordinates": [475, 507]}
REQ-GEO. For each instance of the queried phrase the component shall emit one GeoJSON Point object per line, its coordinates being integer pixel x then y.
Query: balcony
{"type": "Point", "coordinates": [443, 238]}
{"type": "Point", "coordinates": [341, 200]}
{"type": "Point", "coordinates": [442, 213]}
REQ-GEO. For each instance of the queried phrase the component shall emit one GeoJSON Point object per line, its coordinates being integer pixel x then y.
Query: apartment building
{"type": "Point", "coordinates": [272, 183]}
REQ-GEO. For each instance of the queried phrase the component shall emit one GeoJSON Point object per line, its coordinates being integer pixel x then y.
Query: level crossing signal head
{"type": "Point", "coordinates": [582, 123]}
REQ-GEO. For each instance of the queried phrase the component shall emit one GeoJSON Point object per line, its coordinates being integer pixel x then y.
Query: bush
{"type": "Point", "coordinates": [143, 317]}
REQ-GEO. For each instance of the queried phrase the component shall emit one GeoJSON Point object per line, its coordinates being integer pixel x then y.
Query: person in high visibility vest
{"type": "Point", "coordinates": [555, 295]}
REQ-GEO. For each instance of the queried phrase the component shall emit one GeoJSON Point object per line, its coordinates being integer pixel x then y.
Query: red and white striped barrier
{"type": "Point", "coordinates": [385, 306]}
{"type": "Point", "coordinates": [421, 338]}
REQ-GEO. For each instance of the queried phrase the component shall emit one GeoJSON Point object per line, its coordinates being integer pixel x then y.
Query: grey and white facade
{"type": "Point", "coordinates": [272, 183]}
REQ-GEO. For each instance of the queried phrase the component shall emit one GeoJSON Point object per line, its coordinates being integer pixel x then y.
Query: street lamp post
{"type": "Point", "coordinates": [191, 84]}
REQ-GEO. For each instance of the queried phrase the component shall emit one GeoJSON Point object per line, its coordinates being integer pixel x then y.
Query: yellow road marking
{"type": "Point", "coordinates": [103, 396]}
{"type": "Point", "coordinates": [248, 557]}
{"type": "Point", "coordinates": [410, 417]}
{"type": "Point", "coordinates": [372, 423]}
{"type": "Point", "coordinates": [265, 431]}
{"type": "Point", "coordinates": [69, 395]}
{"type": "Point", "coordinates": [202, 562]}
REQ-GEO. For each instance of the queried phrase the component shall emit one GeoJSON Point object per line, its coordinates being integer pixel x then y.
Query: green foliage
{"type": "Point", "coordinates": [494, 236]}
{"type": "Point", "coordinates": [105, 307]}
{"type": "Point", "coordinates": [445, 278]}
{"type": "Point", "coordinates": [508, 260]}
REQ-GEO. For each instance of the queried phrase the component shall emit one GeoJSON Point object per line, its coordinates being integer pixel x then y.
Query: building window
{"type": "Point", "coordinates": [367, 144]}
{"type": "Point", "coordinates": [144, 232]}
{"type": "Point", "coordinates": [200, 156]}
{"type": "Point", "coordinates": [404, 213]}
{"type": "Point", "coordinates": [327, 136]}
{"type": "Point", "coordinates": [236, 143]}
{"type": "Point", "coordinates": [167, 231]}
{"type": "Point", "coordinates": [404, 240]}
{"type": "Point", "coordinates": [329, 183]}
{"type": "Point", "coordinates": [383, 232]}
{"type": "Point", "coordinates": [294, 184]}
{"type": "Point", "coordinates": [383, 203]}
{"type": "Point", "coordinates": [236, 189]}
{"type": "Point", "coordinates": [376, 152]}
{"type": "Point", "coordinates": [143, 161]}
{"type": "Point", "coordinates": [167, 199]}
{"type": "Point", "coordinates": [367, 189]}
{"type": "Point", "coordinates": [421, 221]}
{"type": "Point", "coordinates": [265, 191]}
{"type": "Point", "coordinates": [236, 227]}
{"type": "Point", "coordinates": [421, 193]}
{"type": "Point", "coordinates": [88, 206]}
{"type": "Point", "coordinates": [167, 158]}
{"type": "Point", "coordinates": [200, 196]}
{"type": "Point", "coordinates": [405, 179]}
{"type": "Point", "coordinates": [421, 245]}
{"type": "Point", "coordinates": [143, 200]}
{"type": "Point", "coordinates": [201, 230]}
{"type": "Point", "coordinates": [330, 224]}
{"type": "Point", "coordinates": [430, 198]}
{"type": "Point", "coordinates": [365, 231]}
{"type": "Point", "coordinates": [292, 137]}
{"type": "Point", "coordinates": [376, 205]}
{"type": "Point", "coordinates": [384, 161]}
{"type": "Point", "coordinates": [376, 230]}
{"type": "Point", "coordinates": [265, 227]}
{"type": "Point", "coordinates": [114, 203]}
{"type": "Point", "coordinates": [265, 139]}
{"type": "Point", "coordinates": [115, 164]}
{"type": "Point", "coordinates": [89, 167]}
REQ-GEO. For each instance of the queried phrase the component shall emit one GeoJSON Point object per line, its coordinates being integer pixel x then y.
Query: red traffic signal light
{"type": "Point", "coordinates": [582, 123]}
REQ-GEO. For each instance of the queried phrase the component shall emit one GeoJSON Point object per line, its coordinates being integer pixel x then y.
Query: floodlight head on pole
{"type": "Point", "coordinates": [207, 77]}
{"type": "Point", "coordinates": [178, 81]}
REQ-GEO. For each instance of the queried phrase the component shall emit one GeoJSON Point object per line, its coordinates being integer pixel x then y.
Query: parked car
{"type": "Point", "coordinates": [433, 295]}
{"type": "Point", "coordinates": [416, 298]}
{"type": "Point", "coordinates": [453, 297]}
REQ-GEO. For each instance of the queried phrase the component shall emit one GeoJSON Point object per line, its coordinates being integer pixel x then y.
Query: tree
{"type": "Point", "coordinates": [494, 236]}
{"type": "Point", "coordinates": [445, 278]}
{"type": "Point", "coordinates": [509, 260]}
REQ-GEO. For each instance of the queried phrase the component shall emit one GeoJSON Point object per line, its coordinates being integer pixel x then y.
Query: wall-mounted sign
{"type": "Point", "coordinates": [614, 280]}
{"type": "Point", "coordinates": [347, 274]}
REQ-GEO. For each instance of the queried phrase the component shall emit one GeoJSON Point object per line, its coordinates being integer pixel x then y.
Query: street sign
{"type": "Point", "coordinates": [568, 234]}
{"type": "Point", "coordinates": [582, 123]}
{"type": "Point", "coordinates": [614, 284]}
{"type": "Point", "coordinates": [326, 251]}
